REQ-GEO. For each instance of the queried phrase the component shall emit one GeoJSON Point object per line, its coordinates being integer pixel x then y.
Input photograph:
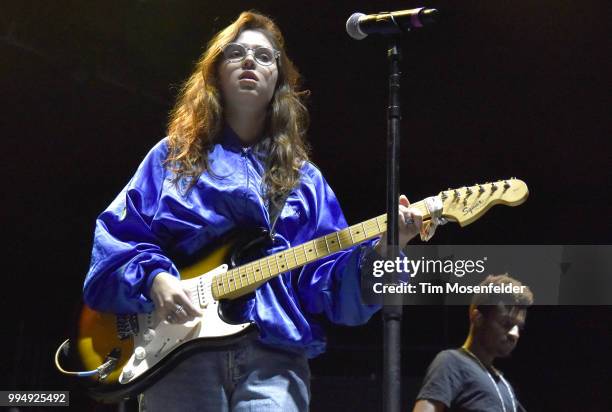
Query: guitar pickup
{"type": "Point", "coordinates": [127, 326]}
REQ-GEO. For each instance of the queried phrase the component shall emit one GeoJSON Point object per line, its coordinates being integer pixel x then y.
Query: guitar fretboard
{"type": "Point", "coordinates": [246, 278]}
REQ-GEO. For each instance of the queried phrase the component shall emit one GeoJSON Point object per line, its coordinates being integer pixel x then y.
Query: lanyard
{"type": "Point", "coordinates": [467, 351]}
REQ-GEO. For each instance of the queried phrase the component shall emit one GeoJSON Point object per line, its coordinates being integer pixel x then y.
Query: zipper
{"type": "Point", "coordinates": [246, 172]}
{"type": "Point", "coordinates": [245, 153]}
{"type": "Point", "coordinates": [278, 213]}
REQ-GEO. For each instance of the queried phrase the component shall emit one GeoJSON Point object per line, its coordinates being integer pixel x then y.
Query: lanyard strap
{"type": "Point", "coordinates": [468, 352]}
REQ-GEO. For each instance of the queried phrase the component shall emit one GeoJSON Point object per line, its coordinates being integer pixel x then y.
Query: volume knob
{"type": "Point", "coordinates": [140, 353]}
{"type": "Point", "coordinates": [128, 373]}
{"type": "Point", "coordinates": [148, 335]}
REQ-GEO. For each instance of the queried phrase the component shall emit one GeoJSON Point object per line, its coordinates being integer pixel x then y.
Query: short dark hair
{"type": "Point", "coordinates": [484, 302]}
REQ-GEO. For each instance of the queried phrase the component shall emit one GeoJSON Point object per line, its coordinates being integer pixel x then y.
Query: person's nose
{"type": "Point", "coordinates": [514, 333]}
{"type": "Point", "coordinates": [249, 60]}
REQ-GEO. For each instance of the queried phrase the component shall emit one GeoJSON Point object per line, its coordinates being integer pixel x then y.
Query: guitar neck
{"type": "Point", "coordinates": [246, 278]}
{"type": "Point", "coordinates": [463, 206]}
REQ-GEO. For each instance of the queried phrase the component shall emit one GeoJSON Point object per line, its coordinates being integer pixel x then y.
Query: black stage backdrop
{"type": "Point", "coordinates": [500, 89]}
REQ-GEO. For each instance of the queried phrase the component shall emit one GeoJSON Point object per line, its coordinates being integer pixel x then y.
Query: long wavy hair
{"type": "Point", "coordinates": [197, 118]}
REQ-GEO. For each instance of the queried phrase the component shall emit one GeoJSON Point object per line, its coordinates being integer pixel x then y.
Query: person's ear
{"type": "Point", "coordinates": [476, 316]}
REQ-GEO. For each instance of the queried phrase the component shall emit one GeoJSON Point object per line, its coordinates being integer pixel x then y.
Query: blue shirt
{"type": "Point", "coordinates": [152, 219]}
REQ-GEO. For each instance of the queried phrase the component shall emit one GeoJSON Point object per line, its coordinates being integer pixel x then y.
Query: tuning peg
{"type": "Point", "coordinates": [468, 191]}
{"type": "Point", "coordinates": [456, 193]}
{"type": "Point", "coordinates": [444, 196]}
{"type": "Point", "coordinates": [493, 187]}
{"type": "Point", "coordinates": [506, 185]}
{"type": "Point", "coordinates": [481, 189]}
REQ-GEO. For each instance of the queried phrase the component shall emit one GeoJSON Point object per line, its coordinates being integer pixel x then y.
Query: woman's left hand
{"type": "Point", "coordinates": [410, 222]}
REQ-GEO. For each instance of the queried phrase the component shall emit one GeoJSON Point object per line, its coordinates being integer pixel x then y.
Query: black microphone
{"type": "Point", "coordinates": [359, 25]}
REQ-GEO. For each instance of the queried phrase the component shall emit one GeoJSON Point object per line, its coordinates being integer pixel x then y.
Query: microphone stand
{"type": "Point", "coordinates": [392, 309]}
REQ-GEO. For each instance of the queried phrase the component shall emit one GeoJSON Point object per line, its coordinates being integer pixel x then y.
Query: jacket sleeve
{"type": "Point", "coordinates": [332, 285]}
{"type": "Point", "coordinates": [127, 249]}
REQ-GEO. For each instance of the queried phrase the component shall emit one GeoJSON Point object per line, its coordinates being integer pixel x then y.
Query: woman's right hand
{"type": "Point", "coordinates": [171, 300]}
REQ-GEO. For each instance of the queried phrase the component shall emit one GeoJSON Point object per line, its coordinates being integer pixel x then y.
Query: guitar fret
{"type": "Point", "coordinates": [235, 278]}
{"type": "Point", "coordinates": [297, 262]}
{"type": "Point", "coordinates": [336, 241]}
{"type": "Point", "coordinates": [345, 237]}
{"type": "Point", "coordinates": [227, 281]}
{"type": "Point", "coordinates": [240, 276]}
{"type": "Point", "coordinates": [273, 260]}
{"type": "Point", "coordinates": [384, 222]}
{"type": "Point", "coordinates": [303, 250]}
{"type": "Point", "coordinates": [365, 229]}
{"type": "Point", "coordinates": [314, 247]}
{"type": "Point", "coordinates": [320, 246]}
{"type": "Point", "coordinates": [219, 282]}
{"type": "Point", "coordinates": [255, 271]}
{"type": "Point", "coordinates": [248, 270]}
{"type": "Point", "coordinates": [360, 232]}
{"type": "Point", "coordinates": [351, 235]}
{"type": "Point", "coordinates": [370, 230]}
{"type": "Point", "coordinates": [222, 280]}
{"type": "Point", "coordinates": [305, 254]}
{"type": "Point", "coordinates": [333, 247]}
{"type": "Point", "coordinates": [309, 248]}
{"type": "Point", "coordinates": [264, 267]}
{"type": "Point", "coordinates": [269, 268]}
{"type": "Point", "coordinates": [282, 268]}
{"type": "Point", "coordinates": [287, 262]}
{"type": "Point", "coordinates": [295, 259]}
{"type": "Point", "coordinates": [378, 225]}
{"type": "Point", "coordinates": [339, 242]}
{"type": "Point", "coordinates": [258, 270]}
{"type": "Point", "coordinates": [379, 230]}
{"type": "Point", "coordinates": [326, 244]}
{"type": "Point", "coordinates": [215, 286]}
{"type": "Point", "coordinates": [233, 281]}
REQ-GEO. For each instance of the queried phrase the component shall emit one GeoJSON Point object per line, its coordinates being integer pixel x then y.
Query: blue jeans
{"type": "Point", "coordinates": [247, 376]}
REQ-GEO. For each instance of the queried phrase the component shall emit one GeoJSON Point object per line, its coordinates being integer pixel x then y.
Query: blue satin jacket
{"type": "Point", "coordinates": [151, 219]}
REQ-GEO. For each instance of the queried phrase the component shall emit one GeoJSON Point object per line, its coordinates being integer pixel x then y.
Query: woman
{"type": "Point", "coordinates": [234, 155]}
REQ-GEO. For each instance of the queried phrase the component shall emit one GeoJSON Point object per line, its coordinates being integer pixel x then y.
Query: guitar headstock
{"type": "Point", "coordinates": [467, 204]}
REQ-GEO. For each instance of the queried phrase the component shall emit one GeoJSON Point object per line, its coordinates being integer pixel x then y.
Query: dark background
{"type": "Point", "coordinates": [499, 89]}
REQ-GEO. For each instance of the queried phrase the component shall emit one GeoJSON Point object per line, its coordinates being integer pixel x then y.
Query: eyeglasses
{"type": "Point", "coordinates": [236, 52]}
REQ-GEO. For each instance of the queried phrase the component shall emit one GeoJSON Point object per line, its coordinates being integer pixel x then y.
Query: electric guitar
{"type": "Point", "coordinates": [127, 353]}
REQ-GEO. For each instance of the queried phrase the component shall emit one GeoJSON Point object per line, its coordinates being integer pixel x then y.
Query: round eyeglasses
{"type": "Point", "coordinates": [236, 52]}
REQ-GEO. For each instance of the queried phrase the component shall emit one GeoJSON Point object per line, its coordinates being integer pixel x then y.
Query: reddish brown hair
{"type": "Point", "coordinates": [197, 117]}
